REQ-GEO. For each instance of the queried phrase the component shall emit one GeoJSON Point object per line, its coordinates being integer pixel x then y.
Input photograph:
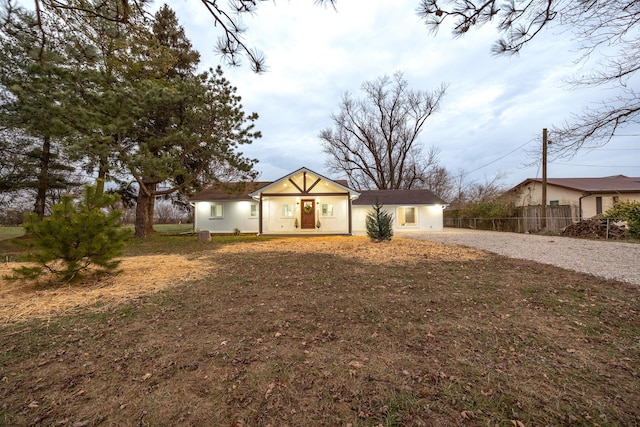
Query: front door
{"type": "Point", "coordinates": [308, 214]}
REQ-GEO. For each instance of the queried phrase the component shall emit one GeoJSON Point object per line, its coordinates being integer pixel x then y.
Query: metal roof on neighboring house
{"type": "Point", "coordinates": [398, 197]}
{"type": "Point", "coordinates": [607, 184]}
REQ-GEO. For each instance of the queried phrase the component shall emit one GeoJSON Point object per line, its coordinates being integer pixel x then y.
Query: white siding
{"type": "Point", "coordinates": [274, 222]}
{"type": "Point", "coordinates": [339, 221]}
{"type": "Point", "coordinates": [428, 218]}
{"type": "Point", "coordinates": [235, 214]}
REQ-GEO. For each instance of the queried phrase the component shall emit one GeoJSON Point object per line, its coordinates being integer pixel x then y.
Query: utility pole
{"type": "Point", "coordinates": [543, 223]}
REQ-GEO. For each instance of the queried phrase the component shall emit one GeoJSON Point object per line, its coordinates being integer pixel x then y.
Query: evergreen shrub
{"type": "Point", "coordinates": [379, 223]}
{"type": "Point", "coordinates": [75, 237]}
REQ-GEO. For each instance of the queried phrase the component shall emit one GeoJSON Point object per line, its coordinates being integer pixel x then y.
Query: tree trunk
{"type": "Point", "coordinates": [43, 178]}
{"type": "Point", "coordinates": [142, 209]}
{"type": "Point", "coordinates": [151, 208]}
{"type": "Point", "coordinates": [102, 176]}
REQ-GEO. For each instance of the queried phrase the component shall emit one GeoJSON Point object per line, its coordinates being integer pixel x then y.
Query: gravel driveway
{"type": "Point", "coordinates": [611, 260]}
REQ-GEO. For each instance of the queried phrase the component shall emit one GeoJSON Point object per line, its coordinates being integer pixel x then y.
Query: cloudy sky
{"type": "Point", "coordinates": [491, 118]}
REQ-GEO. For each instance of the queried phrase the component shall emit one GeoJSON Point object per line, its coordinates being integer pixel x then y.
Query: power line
{"type": "Point", "coordinates": [597, 166]}
{"type": "Point", "coordinates": [615, 149]}
{"type": "Point", "coordinates": [498, 159]}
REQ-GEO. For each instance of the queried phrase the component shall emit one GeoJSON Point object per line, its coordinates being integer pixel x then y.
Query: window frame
{"type": "Point", "coordinates": [404, 216]}
{"type": "Point", "coordinates": [254, 210]}
{"type": "Point", "coordinates": [287, 210]}
{"type": "Point", "coordinates": [215, 205]}
{"type": "Point", "coordinates": [326, 212]}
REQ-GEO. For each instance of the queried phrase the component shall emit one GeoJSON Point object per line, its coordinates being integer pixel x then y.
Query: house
{"type": "Point", "coordinates": [586, 196]}
{"type": "Point", "coordinates": [306, 203]}
{"type": "Point", "coordinates": [412, 210]}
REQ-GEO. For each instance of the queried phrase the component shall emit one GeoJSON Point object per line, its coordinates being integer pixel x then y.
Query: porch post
{"type": "Point", "coordinates": [260, 216]}
{"type": "Point", "coordinates": [350, 219]}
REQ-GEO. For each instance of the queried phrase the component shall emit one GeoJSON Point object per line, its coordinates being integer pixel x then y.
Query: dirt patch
{"type": "Point", "coordinates": [398, 251]}
{"type": "Point", "coordinates": [140, 275]}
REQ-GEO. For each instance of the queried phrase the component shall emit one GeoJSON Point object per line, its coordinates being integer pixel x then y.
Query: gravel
{"type": "Point", "coordinates": [607, 259]}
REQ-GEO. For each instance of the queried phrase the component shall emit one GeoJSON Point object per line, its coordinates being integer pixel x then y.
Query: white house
{"type": "Point", "coordinates": [412, 210]}
{"type": "Point", "coordinates": [586, 196]}
{"type": "Point", "coordinates": [306, 203]}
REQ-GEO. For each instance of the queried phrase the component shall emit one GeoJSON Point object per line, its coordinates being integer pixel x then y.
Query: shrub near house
{"type": "Point", "coordinates": [627, 211]}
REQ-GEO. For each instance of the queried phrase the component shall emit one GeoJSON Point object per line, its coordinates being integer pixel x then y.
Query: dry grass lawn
{"type": "Point", "coordinates": [152, 273]}
{"type": "Point", "coordinates": [148, 274]}
{"type": "Point", "coordinates": [322, 331]}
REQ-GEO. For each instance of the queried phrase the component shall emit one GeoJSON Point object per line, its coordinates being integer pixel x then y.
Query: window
{"type": "Point", "coordinates": [287, 210]}
{"type": "Point", "coordinates": [615, 200]}
{"type": "Point", "coordinates": [216, 210]}
{"type": "Point", "coordinates": [554, 203]}
{"type": "Point", "coordinates": [598, 205]}
{"type": "Point", "coordinates": [327, 209]}
{"type": "Point", "coordinates": [406, 216]}
{"type": "Point", "coordinates": [253, 213]}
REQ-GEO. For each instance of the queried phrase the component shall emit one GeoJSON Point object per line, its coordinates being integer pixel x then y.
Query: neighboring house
{"type": "Point", "coordinates": [305, 202]}
{"type": "Point", "coordinates": [586, 196]}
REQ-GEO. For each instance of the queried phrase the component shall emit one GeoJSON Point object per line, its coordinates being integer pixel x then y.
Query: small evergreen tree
{"type": "Point", "coordinates": [379, 224]}
{"type": "Point", "coordinates": [627, 211]}
{"type": "Point", "coordinates": [75, 237]}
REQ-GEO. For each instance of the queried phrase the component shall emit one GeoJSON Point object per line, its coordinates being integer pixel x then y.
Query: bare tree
{"type": "Point", "coordinates": [609, 27]}
{"type": "Point", "coordinates": [374, 139]}
{"type": "Point", "coordinates": [463, 191]}
{"type": "Point", "coordinates": [441, 182]}
{"type": "Point", "coordinates": [487, 191]}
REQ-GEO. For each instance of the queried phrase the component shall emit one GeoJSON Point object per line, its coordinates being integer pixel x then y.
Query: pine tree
{"type": "Point", "coordinates": [75, 237]}
{"type": "Point", "coordinates": [36, 101]}
{"type": "Point", "coordinates": [188, 126]}
{"type": "Point", "coordinates": [379, 224]}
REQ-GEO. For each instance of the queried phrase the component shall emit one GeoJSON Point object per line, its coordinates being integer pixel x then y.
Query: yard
{"type": "Point", "coordinates": [247, 331]}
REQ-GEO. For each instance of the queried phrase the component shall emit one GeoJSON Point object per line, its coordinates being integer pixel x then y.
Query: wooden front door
{"type": "Point", "coordinates": [308, 214]}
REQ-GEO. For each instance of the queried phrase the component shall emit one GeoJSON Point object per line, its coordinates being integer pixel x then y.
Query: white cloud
{"type": "Point", "coordinates": [315, 54]}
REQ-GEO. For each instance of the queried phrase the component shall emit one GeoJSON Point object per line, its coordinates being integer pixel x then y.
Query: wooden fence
{"type": "Point", "coordinates": [558, 217]}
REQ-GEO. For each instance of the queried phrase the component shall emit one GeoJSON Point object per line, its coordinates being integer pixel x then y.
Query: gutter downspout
{"type": "Point", "coordinates": [580, 203]}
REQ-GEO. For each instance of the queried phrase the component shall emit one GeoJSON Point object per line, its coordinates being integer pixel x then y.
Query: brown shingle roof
{"type": "Point", "coordinates": [607, 184]}
{"type": "Point", "coordinates": [236, 190]}
{"type": "Point", "coordinates": [398, 197]}
{"type": "Point", "coordinates": [228, 191]}
{"type": "Point", "coordinates": [241, 190]}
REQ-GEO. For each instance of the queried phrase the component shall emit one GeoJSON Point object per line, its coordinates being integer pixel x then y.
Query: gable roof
{"type": "Point", "coordinates": [398, 197]}
{"type": "Point", "coordinates": [607, 184]}
{"type": "Point", "coordinates": [251, 190]}
{"type": "Point", "coordinates": [342, 184]}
